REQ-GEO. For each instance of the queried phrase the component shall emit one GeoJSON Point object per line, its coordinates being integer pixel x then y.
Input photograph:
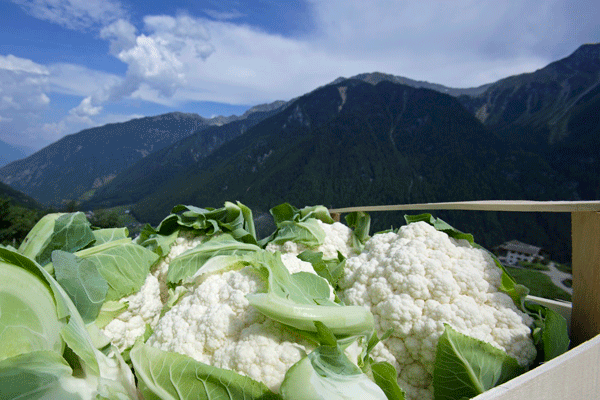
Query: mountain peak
{"type": "Point", "coordinates": [376, 77]}
{"type": "Point", "coordinates": [589, 51]}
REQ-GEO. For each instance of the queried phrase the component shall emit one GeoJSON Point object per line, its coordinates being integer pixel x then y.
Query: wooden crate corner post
{"type": "Point", "coordinates": [585, 318]}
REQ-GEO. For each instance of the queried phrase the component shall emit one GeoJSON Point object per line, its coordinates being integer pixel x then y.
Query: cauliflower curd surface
{"type": "Point", "coordinates": [418, 279]}
{"type": "Point", "coordinates": [215, 324]}
{"type": "Point", "coordinates": [144, 307]}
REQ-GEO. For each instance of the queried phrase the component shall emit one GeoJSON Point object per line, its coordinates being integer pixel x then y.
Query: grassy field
{"type": "Point", "coordinates": [537, 266]}
{"type": "Point", "coordinates": [539, 284]}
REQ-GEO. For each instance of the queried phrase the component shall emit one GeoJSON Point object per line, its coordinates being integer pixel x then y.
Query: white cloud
{"type": "Point", "coordinates": [116, 118]}
{"type": "Point", "coordinates": [77, 80]}
{"type": "Point", "coordinates": [23, 88]}
{"type": "Point", "coordinates": [74, 14]}
{"type": "Point", "coordinates": [121, 34]}
{"type": "Point", "coordinates": [456, 43]}
{"type": "Point", "coordinates": [86, 109]}
{"type": "Point", "coordinates": [21, 66]}
{"type": "Point", "coordinates": [152, 60]}
{"type": "Point", "coordinates": [223, 15]}
{"type": "Point", "coordinates": [155, 69]}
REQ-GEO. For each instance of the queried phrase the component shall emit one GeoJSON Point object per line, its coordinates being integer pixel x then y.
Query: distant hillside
{"type": "Point", "coordinates": [18, 214]}
{"type": "Point", "coordinates": [553, 112]}
{"type": "Point", "coordinates": [9, 153]}
{"type": "Point", "coordinates": [88, 160]}
{"type": "Point", "coordinates": [18, 198]}
{"type": "Point", "coordinates": [354, 143]}
{"type": "Point", "coordinates": [148, 174]}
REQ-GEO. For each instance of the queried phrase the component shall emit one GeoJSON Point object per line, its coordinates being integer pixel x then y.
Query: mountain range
{"type": "Point", "coordinates": [10, 153]}
{"type": "Point", "coordinates": [369, 139]}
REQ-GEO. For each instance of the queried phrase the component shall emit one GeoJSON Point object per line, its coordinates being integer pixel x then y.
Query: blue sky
{"type": "Point", "coordinates": [67, 65]}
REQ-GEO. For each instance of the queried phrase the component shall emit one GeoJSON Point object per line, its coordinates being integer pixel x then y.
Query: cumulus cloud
{"type": "Point", "coordinates": [74, 14]}
{"type": "Point", "coordinates": [155, 58]}
{"type": "Point", "coordinates": [86, 109]}
{"type": "Point", "coordinates": [121, 35]}
{"type": "Point", "coordinates": [23, 88]}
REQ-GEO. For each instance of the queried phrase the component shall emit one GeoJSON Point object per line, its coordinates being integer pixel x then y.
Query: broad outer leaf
{"type": "Point", "coordinates": [554, 336]}
{"type": "Point", "coordinates": [235, 219]}
{"type": "Point", "coordinates": [28, 319]}
{"type": "Point", "coordinates": [123, 264]}
{"type": "Point", "coordinates": [386, 377]}
{"type": "Point", "coordinates": [109, 234]}
{"type": "Point", "coordinates": [300, 299]}
{"type": "Point", "coordinates": [308, 233]}
{"type": "Point", "coordinates": [108, 373]}
{"type": "Point", "coordinates": [165, 375]}
{"type": "Point", "coordinates": [465, 366]}
{"type": "Point", "coordinates": [188, 263]}
{"type": "Point", "coordinates": [68, 232]}
{"type": "Point", "coordinates": [36, 375]}
{"type": "Point", "coordinates": [82, 281]}
{"type": "Point", "coordinates": [159, 243]}
{"type": "Point", "coordinates": [332, 270]}
{"type": "Point", "coordinates": [550, 333]}
{"type": "Point", "coordinates": [74, 333]}
{"type": "Point", "coordinates": [109, 311]}
{"type": "Point", "coordinates": [72, 232]}
{"type": "Point", "coordinates": [326, 373]}
{"type": "Point", "coordinates": [360, 222]}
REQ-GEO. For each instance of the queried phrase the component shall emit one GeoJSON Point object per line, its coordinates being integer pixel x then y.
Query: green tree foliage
{"type": "Point", "coordinates": [105, 218]}
{"type": "Point", "coordinates": [15, 222]}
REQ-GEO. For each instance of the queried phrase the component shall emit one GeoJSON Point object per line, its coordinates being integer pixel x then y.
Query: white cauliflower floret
{"type": "Point", "coordinates": [294, 264]}
{"type": "Point", "coordinates": [417, 280]}
{"type": "Point", "coordinates": [144, 307]}
{"type": "Point", "coordinates": [338, 237]}
{"type": "Point", "coordinates": [215, 324]}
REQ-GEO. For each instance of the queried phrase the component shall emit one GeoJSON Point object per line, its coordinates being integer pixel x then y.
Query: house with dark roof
{"type": "Point", "coordinates": [514, 251]}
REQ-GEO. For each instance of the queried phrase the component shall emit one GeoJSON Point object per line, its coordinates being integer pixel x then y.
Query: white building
{"type": "Point", "coordinates": [513, 252]}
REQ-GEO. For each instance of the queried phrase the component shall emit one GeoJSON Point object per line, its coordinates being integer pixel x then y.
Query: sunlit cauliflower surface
{"type": "Point", "coordinates": [144, 307]}
{"type": "Point", "coordinates": [416, 280]}
{"type": "Point", "coordinates": [215, 324]}
{"type": "Point", "coordinates": [338, 237]}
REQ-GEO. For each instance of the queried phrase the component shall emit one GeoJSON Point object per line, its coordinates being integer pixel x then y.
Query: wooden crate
{"type": "Point", "coordinates": [574, 375]}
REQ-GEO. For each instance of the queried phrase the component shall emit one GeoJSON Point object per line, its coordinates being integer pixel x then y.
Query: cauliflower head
{"type": "Point", "coordinates": [418, 279]}
{"type": "Point", "coordinates": [214, 323]}
{"type": "Point", "coordinates": [145, 306]}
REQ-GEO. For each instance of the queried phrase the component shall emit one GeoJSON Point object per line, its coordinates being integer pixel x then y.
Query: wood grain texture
{"type": "Point", "coordinates": [485, 205]}
{"type": "Point", "coordinates": [585, 318]}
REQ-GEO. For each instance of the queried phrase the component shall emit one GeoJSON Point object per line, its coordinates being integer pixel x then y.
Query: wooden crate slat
{"type": "Point", "coordinates": [484, 205]}
{"type": "Point", "coordinates": [585, 318]}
